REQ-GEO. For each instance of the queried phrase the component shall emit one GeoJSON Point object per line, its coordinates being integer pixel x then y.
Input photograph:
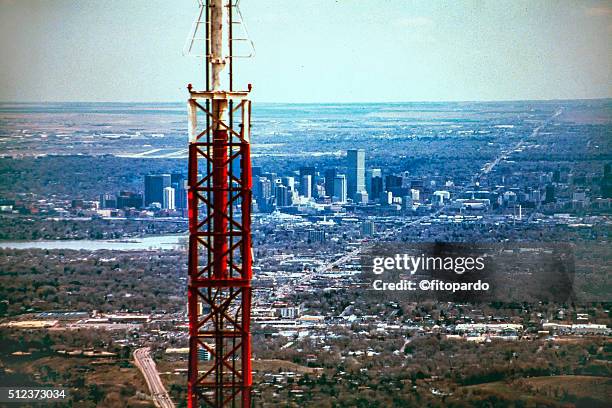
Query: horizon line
{"type": "Point", "coordinates": [325, 103]}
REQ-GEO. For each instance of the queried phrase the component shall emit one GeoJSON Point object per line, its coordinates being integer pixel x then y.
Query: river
{"type": "Point", "coordinates": [158, 242]}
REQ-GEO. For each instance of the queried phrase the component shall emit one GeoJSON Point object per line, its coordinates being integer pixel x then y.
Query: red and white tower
{"type": "Point", "coordinates": [220, 254]}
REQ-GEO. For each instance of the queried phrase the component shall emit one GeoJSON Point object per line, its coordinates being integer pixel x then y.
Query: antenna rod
{"type": "Point", "coordinates": [218, 19]}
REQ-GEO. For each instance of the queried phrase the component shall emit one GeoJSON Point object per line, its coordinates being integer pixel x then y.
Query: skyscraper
{"type": "Point", "coordinates": [281, 196]}
{"type": "Point", "coordinates": [393, 181]}
{"type": "Point", "coordinates": [168, 202]}
{"type": "Point", "coordinates": [289, 182]}
{"type": "Point", "coordinates": [340, 189]}
{"type": "Point", "coordinates": [306, 186]}
{"type": "Point", "coordinates": [177, 182]}
{"type": "Point", "coordinates": [376, 184]}
{"type": "Point", "coordinates": [154, 188]}
{"type": "Point", "coordinates": [107, 201]}
{"type": "Point", "coordinates": [308, 170]}
{"type": "Point", "coordinates": [312, 172]}
{"type": "Point", "coordinates": [262, 191]}
{"type": "Point", "coordinates": [127, 199]}
{"type": "Point", "coordinates": [356, 171]}
{"type": "Point", "coordinates": [330, 175]}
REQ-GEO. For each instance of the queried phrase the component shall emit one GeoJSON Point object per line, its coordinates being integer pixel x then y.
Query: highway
{"type": "Point", "coordinates": [504, 154]}
{"type": "Point", "coordinates": [147, 367]}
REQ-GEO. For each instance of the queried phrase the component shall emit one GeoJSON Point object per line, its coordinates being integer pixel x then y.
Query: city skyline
{"type": "Point", "coordinates": [531, 179]}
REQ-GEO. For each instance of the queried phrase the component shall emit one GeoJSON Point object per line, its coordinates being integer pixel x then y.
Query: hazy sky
{"type": "Point", "coordinates": [312, 50]}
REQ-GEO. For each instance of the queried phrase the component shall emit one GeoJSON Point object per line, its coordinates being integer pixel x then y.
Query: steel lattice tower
{"type": "Point", "coordinates": [220, 255]}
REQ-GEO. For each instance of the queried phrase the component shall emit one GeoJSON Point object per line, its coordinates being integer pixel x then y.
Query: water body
{"type": "Point", "coordinates": [159, 242]}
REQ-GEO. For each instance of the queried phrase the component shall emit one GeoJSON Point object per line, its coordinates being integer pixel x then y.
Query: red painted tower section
{"type": "Point", "coordinates": [220, 255]}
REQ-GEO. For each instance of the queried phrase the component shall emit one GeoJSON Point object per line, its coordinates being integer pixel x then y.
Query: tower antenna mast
{"type": "Point", "coordinates": [219, 202]}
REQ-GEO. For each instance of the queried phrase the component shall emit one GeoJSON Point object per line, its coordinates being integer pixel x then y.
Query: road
{"type": "Point", "coordinates": [147, 367]}
{"type": "Point", "coordinates": [519, 145]}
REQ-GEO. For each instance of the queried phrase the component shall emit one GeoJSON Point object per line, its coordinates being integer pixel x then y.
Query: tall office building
{"type": "Point", "coordinates": [177, 182]}
{"type": "Point", "coordinates": [154, 188]}
{"type": "Point", "coordinates": [176, 178]}
{"type": "Point", "coordinates": [168, 201]}
{"type": "Point", "coordinates": [308, 170]}
{"type": "Point", "coordinates": [127, 199]}
{"type": "Point", "coordinates": [281, 196]}
{"type": "Point", "coordinates": [376, 184]}
{"type": "Point", "coordinates": [306, 186]}
{"type": "Point", "coordinates": [330, 175]}
{"type": "Point", "coordinates": [312, 172]}
{"type": "Point", "coordinates": [356, 171]}
{"type": "Point", "coordinates": [289, 182]}
{"type": "Point", "coordinates": [108, 201]}
{"type": "Point", "coordinates": [262, 191]}
{"type": "Point", "coordinates": [340, 189]}
{"type": "Point", "coordinates": [266, 188]}
{"type": "Point", "coordinates": [393, 181]}
{"type": "Point", "coordinates": [395, 184]}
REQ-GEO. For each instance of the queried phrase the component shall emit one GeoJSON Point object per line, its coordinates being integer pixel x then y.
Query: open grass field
{"type": "Point", "coordinates": [599, 388]}
{"type": "Point", "coordinates": [552, 391]}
